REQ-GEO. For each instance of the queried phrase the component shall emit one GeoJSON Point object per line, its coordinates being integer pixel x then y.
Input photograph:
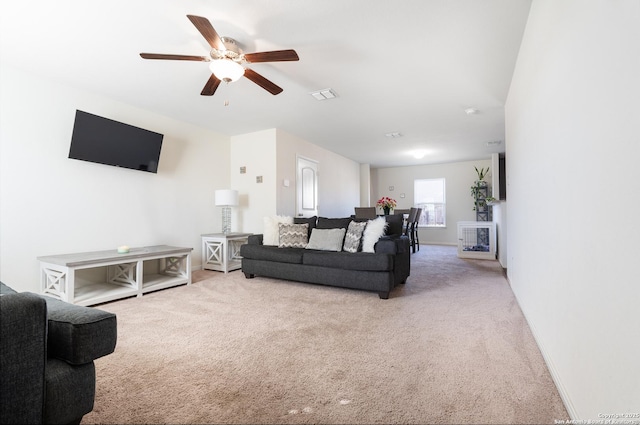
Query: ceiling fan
{"type": "Point", "coordinates": [227, 60]}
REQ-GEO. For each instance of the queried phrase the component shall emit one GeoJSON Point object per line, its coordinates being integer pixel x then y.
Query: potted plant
{"type": "Point", "coordinates": [476, 189]}
{"type": "Point", "coordinates": [386, 204]}
{"type": "Point", "coordinates": [490, 200]}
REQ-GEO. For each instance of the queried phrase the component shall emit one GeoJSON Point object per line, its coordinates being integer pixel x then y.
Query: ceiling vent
{"type": "Point", "coordinates": [324, 94]}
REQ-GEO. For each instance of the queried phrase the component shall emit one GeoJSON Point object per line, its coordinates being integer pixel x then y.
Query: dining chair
{"type": "Point", "coordinates": [405, 215]}
{"type": "Point", "coordinates": [414, 229]}
{"type": "Point", "coordinates": [366, 212]}
{"type": "Point", "coordinates": [409, 228]}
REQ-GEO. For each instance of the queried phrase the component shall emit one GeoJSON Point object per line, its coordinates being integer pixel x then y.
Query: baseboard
{"type": "Point", "coordinates": [555, 376]}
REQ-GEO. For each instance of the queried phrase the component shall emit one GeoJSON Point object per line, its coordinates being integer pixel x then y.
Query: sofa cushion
{"type": "Point", "coordinates": [311, 221]}
{"type": "Point", "coordinates": [271, 231]}
{"type": "Point", "coordinates": [326, 239]}
{"type": "Point", "coordinates": [293, 235]}
{"type": "Point", "coordinates": [272, 253]}
{"type": "Point", "coordinates": [349, 261]}
{"type": "Point", "coordinates": [375, 230]}
{"type": "Point", "coordinates": [394, 224]}
{"type": "Point", "coordinates": [333, 223]}
{"type": "Point", "coordinates": [352, 240]}
{"type": "Point", "coordinates": [79, 334]}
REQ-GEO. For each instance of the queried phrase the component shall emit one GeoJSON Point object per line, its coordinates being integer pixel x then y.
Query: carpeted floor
{"type": "Point", "coordinates": [450, 346]}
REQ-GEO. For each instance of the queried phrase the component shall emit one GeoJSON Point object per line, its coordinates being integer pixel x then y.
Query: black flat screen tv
{"type": "Point", "coordinates": [105, 141]}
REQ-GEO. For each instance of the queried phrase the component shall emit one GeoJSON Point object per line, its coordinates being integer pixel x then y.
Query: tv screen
{"type": "Point", "coordinates": [105, 141]}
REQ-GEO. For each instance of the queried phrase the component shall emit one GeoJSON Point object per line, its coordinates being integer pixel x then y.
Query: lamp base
{"type": "Point", "coordinates": [226, 220]}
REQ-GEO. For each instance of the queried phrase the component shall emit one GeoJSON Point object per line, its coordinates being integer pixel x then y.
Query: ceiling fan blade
{"type": "Point", "coordinates": [262, 82]}
{"type": "Point", "coordinates": [211, 86]}
{"type": "Point", "coordinates": [273, 56]}
{"type": "Point", "coordinates": [174, 57]}
{"type": "Point", "coordinates": [206, 29]}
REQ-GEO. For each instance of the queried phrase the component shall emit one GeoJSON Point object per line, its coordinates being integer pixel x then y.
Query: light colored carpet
{"type": "Point", "coordinates": [450, 346]}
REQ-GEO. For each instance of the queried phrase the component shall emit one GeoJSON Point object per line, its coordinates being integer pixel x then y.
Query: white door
{"type": "Point", "coordinates": [306, 187]}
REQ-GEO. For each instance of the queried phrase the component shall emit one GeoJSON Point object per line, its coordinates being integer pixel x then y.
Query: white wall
{"type": "Point", "coordinates": [50, 204]}
{"type": "Point", "coordinates": [257, 152]}
{"type": "Point", "coordinates": [365, 185]}
{"type": "Point", "coordinates": [338, 177]}
{"type": "Point", "coordinates": [459, 177]}
{"type": "Point", "coordinates": [272, 155]}
{"type": "Point", "coordinates": [572, 149]}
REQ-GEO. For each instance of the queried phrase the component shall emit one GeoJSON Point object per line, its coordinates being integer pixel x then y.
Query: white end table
{"type": "Point", "coordinates": [221, 251]}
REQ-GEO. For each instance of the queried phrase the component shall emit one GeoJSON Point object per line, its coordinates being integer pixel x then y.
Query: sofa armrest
{"type": "Point", "coordinates": [79, 334]}
{"type": "Point", "coordinates": [255, 239]}
{"type": "Point", "coordinates": [392, 244]}
{"type": "Point", "coordinates": [385, 245]}
{"type": "Point", "coordinates": [23, 356]}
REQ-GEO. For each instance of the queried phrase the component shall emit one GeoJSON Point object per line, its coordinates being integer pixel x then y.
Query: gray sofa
{"type": "Point", "coordinates": [380, 271]}
{"type": "Point", "coordinates": [47, 353]}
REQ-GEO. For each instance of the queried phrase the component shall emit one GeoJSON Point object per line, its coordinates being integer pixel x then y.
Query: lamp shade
{"type": "Point", "coordinates": [226, 197]}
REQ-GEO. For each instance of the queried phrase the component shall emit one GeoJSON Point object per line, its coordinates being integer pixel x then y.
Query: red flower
{"type": "Point", "coordinates": [386, 202]}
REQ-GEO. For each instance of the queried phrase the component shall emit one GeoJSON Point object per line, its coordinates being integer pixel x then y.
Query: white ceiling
{"type": "Point", "coordinates": [407, 66]}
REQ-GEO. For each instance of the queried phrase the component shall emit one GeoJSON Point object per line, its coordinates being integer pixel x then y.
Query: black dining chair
{"type": "Point", "coordinates": [405, 215]}
{"type": "Point", "coordinates": [409, 228]}
{"type": "Point", "coordinates": [414, 229]}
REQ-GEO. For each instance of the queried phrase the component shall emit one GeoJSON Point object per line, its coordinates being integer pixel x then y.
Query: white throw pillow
{"type": "Point", "coordinates": [375, 230]}
{"type": "Point", "coordinates": [326, 239]}
{"type": "Point", "coordinates": [271, 234]}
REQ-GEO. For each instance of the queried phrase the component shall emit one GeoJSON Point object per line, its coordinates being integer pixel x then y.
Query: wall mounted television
{"type": "Point", "coordinates": [105, 141]}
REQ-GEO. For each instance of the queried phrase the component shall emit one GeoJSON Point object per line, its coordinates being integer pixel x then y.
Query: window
{"type": "Point", "coordinates": [429, 195]}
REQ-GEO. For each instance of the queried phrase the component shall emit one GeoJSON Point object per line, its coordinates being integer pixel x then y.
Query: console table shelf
{"type": "Point", "coordinates": [90, 278]}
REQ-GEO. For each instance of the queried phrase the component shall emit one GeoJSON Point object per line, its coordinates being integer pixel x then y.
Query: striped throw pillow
{"type": "Point", "coordinates": [293, 235]}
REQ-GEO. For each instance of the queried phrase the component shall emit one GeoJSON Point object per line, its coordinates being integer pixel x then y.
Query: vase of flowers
{"type": "Point", "coordinates": [386, 204]}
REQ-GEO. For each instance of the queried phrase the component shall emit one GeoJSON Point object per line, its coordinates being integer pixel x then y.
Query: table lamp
{"type": "Point", "coordinates": [226, 198]}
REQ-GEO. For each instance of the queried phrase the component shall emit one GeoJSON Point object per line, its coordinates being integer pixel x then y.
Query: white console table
{"type": "Point", "coordinates": [89, 278]}
{"type": "Point", "coordinates": [221, 251]}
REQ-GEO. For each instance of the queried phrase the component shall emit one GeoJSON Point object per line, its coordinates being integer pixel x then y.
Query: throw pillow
{"type": "Point", "coordinates": [353, 236]}
{"type": "Point", "coordinates": [310, 220]}
{"type": "Point", "coordinates": [326, 239]}
{"type": "Point", "coordinates": [375, 230]}
{"type": "Point", "coordinates": [293, 235]}
{"type": "Point", "coordinates": [271, 234]}
{"type": "Point", "coordinates": [395, 224]}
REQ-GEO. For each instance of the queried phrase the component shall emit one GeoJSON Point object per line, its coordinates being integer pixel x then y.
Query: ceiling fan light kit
{"type": "Point", "coordinates": [227, 60]}
{"type": "Point", "coordinates": [226, 70]}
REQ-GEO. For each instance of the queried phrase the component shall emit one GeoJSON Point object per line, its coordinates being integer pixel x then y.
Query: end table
{"type": "Point", "coordinates": [221, 251]}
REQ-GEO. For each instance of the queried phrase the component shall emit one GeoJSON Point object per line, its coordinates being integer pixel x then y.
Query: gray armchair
{"type": "Point", "coordinates": [47, 353]}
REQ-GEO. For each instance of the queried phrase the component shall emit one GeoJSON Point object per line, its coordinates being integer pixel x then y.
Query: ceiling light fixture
{"type": "Point", "coordinates": [419, 154]}
{"type": "Point", "coordinates": [471, 111]}
{"type": "Point", "coordinates": [393, 135]}
{"type": "Point", "coordinates": [324, 94]}
{"type": "Point", "coordinates": [226, 70]}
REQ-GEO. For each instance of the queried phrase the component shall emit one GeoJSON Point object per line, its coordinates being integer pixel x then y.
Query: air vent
{"type": "Point", "coordinates": [324, 94]}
